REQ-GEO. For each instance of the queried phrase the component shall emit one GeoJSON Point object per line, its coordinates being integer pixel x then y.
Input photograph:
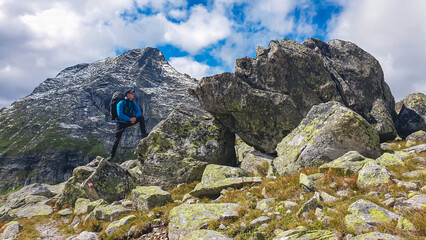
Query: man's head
{"type": "Point", "coordinates": [130, 94]}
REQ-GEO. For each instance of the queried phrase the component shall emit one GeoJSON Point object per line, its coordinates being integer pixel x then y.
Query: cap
{"type": "Point", "coordinates": [129, 91]}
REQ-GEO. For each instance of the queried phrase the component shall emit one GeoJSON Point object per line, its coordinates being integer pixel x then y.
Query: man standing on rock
{"type": "Point", "coordinates": [128, 114]}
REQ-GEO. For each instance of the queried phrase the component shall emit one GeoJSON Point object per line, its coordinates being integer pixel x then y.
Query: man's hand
{"type": "Point", "coordinates": [133, 120]}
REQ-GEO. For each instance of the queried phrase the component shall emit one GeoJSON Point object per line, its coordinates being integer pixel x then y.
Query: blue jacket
{"type": "Point", "coordinates": [127, 109]}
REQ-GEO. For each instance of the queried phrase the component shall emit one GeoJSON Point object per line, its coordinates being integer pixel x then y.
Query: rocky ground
{"type": "Point", "coordinates": [351, 197]}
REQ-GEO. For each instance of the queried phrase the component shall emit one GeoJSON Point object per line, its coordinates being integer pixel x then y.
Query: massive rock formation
{"type": "Point", "coordinates": [269, 95]}
{"type": "Point", "coordinates": [65, 121]}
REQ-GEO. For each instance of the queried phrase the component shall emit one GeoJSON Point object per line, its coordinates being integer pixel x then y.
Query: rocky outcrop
{"type": "Point", "coordinates": [65, 122]}
{"type": "Point", "coordinates": [329, 131]}
{"type": "Point", "coordinates": [268, 96]}
{"type": "Point", "coordinates": [185, 219]}
{"type": "Point", "coordinates": [180, 147]}
{"type": "Point", "coordinates": [411, 114]}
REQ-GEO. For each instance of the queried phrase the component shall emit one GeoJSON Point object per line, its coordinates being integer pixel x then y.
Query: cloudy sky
{"type": "Point", "coordinates": [39, 38]}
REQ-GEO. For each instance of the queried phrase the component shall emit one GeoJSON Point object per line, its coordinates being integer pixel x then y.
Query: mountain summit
{"type": "Point", "coordinates": [65, 121]}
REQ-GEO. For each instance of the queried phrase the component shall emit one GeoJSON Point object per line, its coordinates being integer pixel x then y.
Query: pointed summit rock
{"type": "Point", "coordinates": [65, 122]}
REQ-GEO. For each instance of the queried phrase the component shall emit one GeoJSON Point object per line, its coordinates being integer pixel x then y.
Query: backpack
{"type": "Point", "coordinates": [116, 98]}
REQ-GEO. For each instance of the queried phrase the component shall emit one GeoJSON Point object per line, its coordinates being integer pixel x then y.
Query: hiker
{"type": "Point", "coordinates": [128, 114]}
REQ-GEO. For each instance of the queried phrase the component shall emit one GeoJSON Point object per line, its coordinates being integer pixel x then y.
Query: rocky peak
{"type": "Point", "coordinates": [65, 121]}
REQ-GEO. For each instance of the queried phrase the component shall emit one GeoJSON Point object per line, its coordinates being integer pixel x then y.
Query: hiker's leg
{"type": "Point", "coordinates": [141, 121]}
{"type": "Point", "coordinates": [119, 129]}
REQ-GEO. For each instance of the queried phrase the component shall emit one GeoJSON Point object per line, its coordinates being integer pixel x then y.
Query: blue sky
{"type": "Point", "coordinates": [40, 38]}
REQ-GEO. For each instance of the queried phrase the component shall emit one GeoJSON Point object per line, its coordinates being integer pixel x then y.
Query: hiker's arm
{"type": "Point", "coordinates": [120, 114]}
{"type": "Point", "coordinates": [138, 111]}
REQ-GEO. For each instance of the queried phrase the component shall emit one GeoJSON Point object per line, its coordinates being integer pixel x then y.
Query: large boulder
{"type": "Point", "coordinates": [365, 216]}
{"type": "Point", "coordinates": [411, 114]}
{"type": "Point", "coordinates": [185, 219]}
{"type": "Point", "coordinates": [268, 96]}
{"type": "Point", "coordinates": [180, 147]}
{"type": "Point", "coordinates": [328, 131]}
{"type": "Point", "coordinates": [109, 182]}
{"type": "Point", "coordinates": [253, 161]}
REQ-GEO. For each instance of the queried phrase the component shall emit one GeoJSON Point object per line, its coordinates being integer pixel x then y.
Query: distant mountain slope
{"type": "Point", "coordinates": [65, 121]}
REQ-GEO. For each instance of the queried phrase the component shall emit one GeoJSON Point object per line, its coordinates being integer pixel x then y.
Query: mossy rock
{"type": "Point", "coordinates": [376, 236]}
{"type": "Point", "coordinates": [81, 206]}
{"type": "Point", "coordinates": [213, 189]}
{"type": "Point", "coordinates": [72, 191]}
{"type": "Point", "coordinates": [109, 212]}
{"type": "Point", "coordinates": [180, 147]}
{"type": "Point", "coordinates": [81, 173]}
{"type": "Point", "coordinates": [214, 173]}
{"type": "Point", "coordinates": [347, 164]}
{"type": "Point", "coordinates": [306, 234]}
{"type": "Point", "coordinates": [365, 215]}
{"type": "Point", "coordinates": [389, 159]}
{"type": "Point", "coordinates": [307, 183]}
{"type": "Point", "coordinates": [206, 235]}
{"type": "Point", "coordinates": [372, 174]}
{"type": "Point", "coordinates": [148, 197]}
{"type": "Point", "coordinates": [119, 223]}
{"type": "Point", "coordinates": [185, 219]}
{"type": "Point", "coordinates": [327, 132]}
{"type": "Point", "coordinates": [31, 211]}
{"type": "Point", "coordinates": [253, 161]}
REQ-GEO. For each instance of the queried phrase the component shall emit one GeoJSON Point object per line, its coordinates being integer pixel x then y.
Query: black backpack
{"type": "Point", "coordinates": [116, 98]}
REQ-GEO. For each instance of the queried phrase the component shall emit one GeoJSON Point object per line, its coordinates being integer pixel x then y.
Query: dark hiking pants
{"type": "Point", "coordinates": [119, 129]}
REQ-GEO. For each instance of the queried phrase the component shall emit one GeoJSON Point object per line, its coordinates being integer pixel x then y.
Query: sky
{"type": "Point", "coordinates": [39, 38]}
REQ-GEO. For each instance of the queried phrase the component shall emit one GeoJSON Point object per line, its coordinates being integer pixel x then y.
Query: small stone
{"type": "Point", "coordinates": [260, 220]}
{"type": "Point", "coordinates": [389, 202]}
{"type": "Point", "coordinates": [306, 183]}
{"type": "Point", "coordinates": [288, 211]}
{"type": "Point", "coordinates": [319, 213]}
{"type": "Point", "coordinates": [343, 193]}
{"type": "Point", "coordinates": [222, 227]}
{"type": "Point", "coordinates": [325, 197]}
{"type": "Point", "coordinates": [308, 205]}
{"type": "Point", "coordinates": [289, 204]}
{"type": "Point", "coordinates": [372, 174]}
{"type": "Point", "coordinates": [407, 185]}
{"type": "Point", "coordinates": [119, 223]}
{"type": "Point", "coordinates": [265, 204]}
{"type": "Point", "coordinates": [65, 212]}
{"type": "Point", "coordinates": [415, 174]}
{"type": "Point", "coordinates": [373, 194]}
{"type": "Point", "coordinates": [228, 215]}
{"type": "Point", "coordinates": [387, 195]}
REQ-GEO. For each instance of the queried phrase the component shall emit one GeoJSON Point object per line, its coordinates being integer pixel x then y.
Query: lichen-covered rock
{"type": "Point", "coordinates": [327, 132]}
{"type": "Point", "coordinates": [311, 204]}
{"type": "Point", "coordinates": [145, 198]}
{"type": "Point", "coordinates": [415, 173]}
{"type": "Point", "coordinates": [85, 235]}
{"type": "Point", "coordinates": [119, 223]}
{"type": "Point", "coordinates": [305, 234]}
{"type": "Point", "coordinates": [418, 137]}
{"type": "Point", "coordinates": [265, 204]}
{"type": "Point", "coordinates": [213, 189]}
{"type": "Point", "coordinates": [405, 225]}
{"type": "Point", "coordinates": [389, 159]}
{"type": "Point", "coordinates": [109, 212]}
{"type": "Point", "coordinates": [325, 197]}
{"type": "Point", "coordinates": [372, 174]}
{"type": "Point", "coordinates": [376, 236]}
{"type": "Point", "coordinates": [365, 215]}
{"type": "Point", "coordinates": [214, 173]}
{"type": "Point", "coordinates": [260, 220]}
{"type": "Point", "coordinates": [268, 96]}
{"type": "Point", "coordinates": [188, 218]}
{"type": "Point", "coordinates": [65, 212]}
{"type": "Point", "coordinates": [92, 205]}
{"type": "Point", "coordinates": [81, 206]}
{"type": "Point", "coordinates": [109, 182]}
{"type": "Point", "coordinates": [417, 202]}
{"type": "Point", "coordinates": [180, 147]}
{"type": "Point", "coordinates": [412, 114]}
{"type": "Point", "coordinates": [253, 161]}
{"type": "Point", "coordinates": [31, 211]}
{"type": "Point", "coordinates": [307, 183]}
{"type": "Point", "coordinates": [416, 149]}
{"type": "Point", "coordinates": [72, 191]}
{"type": "Point", "coordinates": [81, 173]}
{"type": "Point", "coordinates": [33, 193]}
{"type": "Point", "coordinates": [206, 235]}
{"type": "Point", "coordinates": [10, 230]}
{"type": "Point", "coordinates": [347, 164]}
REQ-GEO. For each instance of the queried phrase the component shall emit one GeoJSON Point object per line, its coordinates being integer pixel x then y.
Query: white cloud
{"type": "Point", "coordinates": [200, 30]}
{"type": "Point", "coordinates": [394, 33]}
{"type": "Point", "coordinates": [178, 14]}
{"type": "Point", "coordinates": [193, 68]}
